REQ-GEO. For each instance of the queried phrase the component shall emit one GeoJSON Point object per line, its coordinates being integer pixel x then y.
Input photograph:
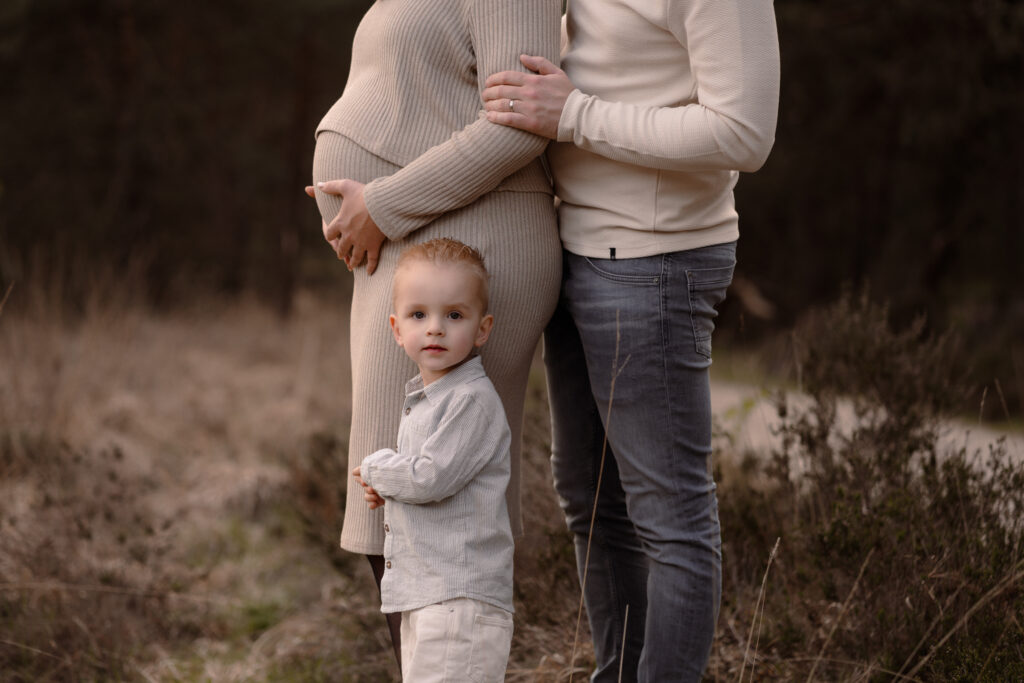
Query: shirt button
{"type": "Point", "coordinates": [387, 529]}
{"type": "Point", "coordinates": [388, 565]}
{"type": "Point", "coordinates": [407, 411]}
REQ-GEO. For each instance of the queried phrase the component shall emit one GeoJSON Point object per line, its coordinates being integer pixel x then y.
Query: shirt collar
{"type": "Point", "coordinates": [470, 369]}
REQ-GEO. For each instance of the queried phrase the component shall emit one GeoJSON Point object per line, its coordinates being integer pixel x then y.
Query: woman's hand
{"type": "Point", "coordinates": [530, 102]}
{"type": "Point", "coordinates": [352, 234]}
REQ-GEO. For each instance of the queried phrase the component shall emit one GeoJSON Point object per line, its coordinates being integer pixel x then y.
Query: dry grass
{"type": "Point", "coordinates": [147, 524]}
{"type": "Point", "coordinates": [170, 496]}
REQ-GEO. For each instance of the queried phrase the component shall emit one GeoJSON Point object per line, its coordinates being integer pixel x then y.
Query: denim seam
{"type": "Point", "coordinates": [693, 318]}
{"type": "Point", "coordinates": [619, 279]}
{"type": "Point", "coordinates": [666, 284]}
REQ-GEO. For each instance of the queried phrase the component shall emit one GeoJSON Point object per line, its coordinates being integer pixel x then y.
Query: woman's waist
{"type": "Point", "coordinates": [340, 155]}
{"type": "Point", "coordinates": [393, 129]}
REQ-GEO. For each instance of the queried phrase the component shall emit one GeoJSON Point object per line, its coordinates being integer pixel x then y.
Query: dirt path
{"type": "Point", "coordinates": [746, 412]}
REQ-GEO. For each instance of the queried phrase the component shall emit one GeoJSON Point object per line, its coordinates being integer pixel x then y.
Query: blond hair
{"type": "Point", "coordinates": [445, 251]}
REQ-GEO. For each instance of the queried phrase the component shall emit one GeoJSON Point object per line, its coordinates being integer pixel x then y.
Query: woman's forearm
{"type": "Point", "coordinates": [475, 159]}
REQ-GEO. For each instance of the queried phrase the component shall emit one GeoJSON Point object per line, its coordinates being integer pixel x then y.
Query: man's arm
{"type": "Point", "coordinates": [734, 56]}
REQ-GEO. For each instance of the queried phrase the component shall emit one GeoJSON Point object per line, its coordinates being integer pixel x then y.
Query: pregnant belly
{"type": "Point", "coordinates": [336, 157]}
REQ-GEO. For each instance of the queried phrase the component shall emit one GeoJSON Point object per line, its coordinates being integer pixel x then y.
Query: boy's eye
{"type": "Point", "coordinates": [418, 315]}
{"type": "Point", "coordinates": [454, 315]}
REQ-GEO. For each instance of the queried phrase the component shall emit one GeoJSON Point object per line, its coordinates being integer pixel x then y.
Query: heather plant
{"type": "Point", "coordinates": [902, 551]}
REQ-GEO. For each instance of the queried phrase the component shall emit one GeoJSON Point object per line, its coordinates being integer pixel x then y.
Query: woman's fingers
{"type": "Point", "coordinates": [344, 249]}
{"type": "Point", "coordinates": [336, 187]}
{"type": "Point", "coordinates": [372, 258]}
{"type": "Point", "coordinates": [333, 229]}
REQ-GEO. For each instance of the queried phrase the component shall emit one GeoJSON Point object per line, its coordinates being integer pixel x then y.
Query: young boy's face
{"type": "Point", "coordinates": [439, 316]}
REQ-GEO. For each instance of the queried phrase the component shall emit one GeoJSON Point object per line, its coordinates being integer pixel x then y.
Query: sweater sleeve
{"type": "Point", "coordinates": [734, 58]}
{"type": "Point", "coordinates": [478, 157]}
{"type": "Point", "coordinates": [465, 441]}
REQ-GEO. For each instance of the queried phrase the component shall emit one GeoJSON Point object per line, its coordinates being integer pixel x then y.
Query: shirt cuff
{"type": "Point", "coordinates": [570, 115]}
{"type": "Point", "coordinates": [366, 469]}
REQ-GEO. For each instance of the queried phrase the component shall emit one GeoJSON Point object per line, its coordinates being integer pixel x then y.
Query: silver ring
{"type": "Point", "coordinates": [511, 104]}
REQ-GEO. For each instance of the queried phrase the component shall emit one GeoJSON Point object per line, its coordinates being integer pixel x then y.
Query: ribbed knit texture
{"type": "Point", "coordinates": [413, 98]}
{"type": "Point", "coordinates": [409, 123]}
{"type": "Point", "coordinates": [651, 142]}
{"type": "Point", "coordinates": [518, 237]}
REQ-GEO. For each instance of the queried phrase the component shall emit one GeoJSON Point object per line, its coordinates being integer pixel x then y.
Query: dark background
{"type": "Point", "coordinates": [167, 144]}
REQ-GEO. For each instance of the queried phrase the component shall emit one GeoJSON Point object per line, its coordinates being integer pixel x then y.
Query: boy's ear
{"type": "Point", "coordinates": [394, 329]}
{"type": "Point", "coordinates": [486, 324]}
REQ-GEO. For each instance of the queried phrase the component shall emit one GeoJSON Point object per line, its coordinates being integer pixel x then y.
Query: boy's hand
{"type": "Point", "coordinates": [372, 498]}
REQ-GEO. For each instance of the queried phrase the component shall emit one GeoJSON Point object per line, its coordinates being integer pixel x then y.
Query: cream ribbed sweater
{"type": "Point", "coordinates": [413, 98]}
{"type": "Point", "coordinates": [680, 96]}
{"type": "Point", "coordinates": [409, 125]}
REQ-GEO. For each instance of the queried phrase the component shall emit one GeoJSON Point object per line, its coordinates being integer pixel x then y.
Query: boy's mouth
{"type": "Point", "coordinates": [434, 347]}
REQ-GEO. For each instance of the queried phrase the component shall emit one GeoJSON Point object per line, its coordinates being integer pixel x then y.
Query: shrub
{"type": "Point", "coordinates": [901, 550]}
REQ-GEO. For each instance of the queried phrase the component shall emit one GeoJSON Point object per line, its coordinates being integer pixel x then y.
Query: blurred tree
{"type": "Point", "coordinates": [178, 134]}
{"type": "Point", "coordinates": [175, 137]}
{"type": "Point", "coordinates": [898, 165]}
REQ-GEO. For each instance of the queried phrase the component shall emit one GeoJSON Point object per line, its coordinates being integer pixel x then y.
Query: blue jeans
{"type": "Point", "coordinates": [644, 324]}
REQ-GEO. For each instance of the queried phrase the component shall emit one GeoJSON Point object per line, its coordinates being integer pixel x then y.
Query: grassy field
{"type": "Point", "coordinates": [170, 503]}
{"type": "Point", "coordinates": [171, 488]}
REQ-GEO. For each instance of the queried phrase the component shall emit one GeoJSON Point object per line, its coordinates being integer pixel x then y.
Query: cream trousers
{"type": "Point", "coordinates": [455, 641]}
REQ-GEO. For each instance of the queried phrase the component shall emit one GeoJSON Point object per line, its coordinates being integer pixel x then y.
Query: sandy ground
{"type": "Point", "coordinates": [748, 414]}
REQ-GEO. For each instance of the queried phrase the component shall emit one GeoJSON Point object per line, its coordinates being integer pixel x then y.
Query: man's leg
{"type": "Point", "coordinates": [647, 323]}
{"type": "Point", "coordinates": [616, 574]}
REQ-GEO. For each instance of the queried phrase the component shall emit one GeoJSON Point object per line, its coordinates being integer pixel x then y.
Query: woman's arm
{"type": "Point", "coordinates": [734, 57]}
{"type": "Point", "coordinates": [478, 157]}
{"type": "Point", "coordinates": [472, 162]}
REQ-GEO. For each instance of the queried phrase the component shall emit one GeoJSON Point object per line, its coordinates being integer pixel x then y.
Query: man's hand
{"type": "Point", "coordinates": [352, 234]}
{"type": "Point", "coordinates": [373, 499]}
{"type": "Point", "coordinates": [531, 102]}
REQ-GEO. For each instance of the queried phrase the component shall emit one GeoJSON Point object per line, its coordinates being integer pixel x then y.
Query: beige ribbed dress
{"type": "Point", "coordinates": [409, 124]}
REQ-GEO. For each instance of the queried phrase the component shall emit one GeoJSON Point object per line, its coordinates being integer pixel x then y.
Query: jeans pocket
{"type": "Point", "coordinates": [707, 287]}
{"type": "Point", "coordinates": [634, 271]}
{"type": "Point", "coordinates": [492, 640]}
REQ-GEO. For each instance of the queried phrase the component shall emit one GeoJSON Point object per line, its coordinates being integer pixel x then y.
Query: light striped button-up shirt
{"type": "Point", "coordinates": [447, 532]}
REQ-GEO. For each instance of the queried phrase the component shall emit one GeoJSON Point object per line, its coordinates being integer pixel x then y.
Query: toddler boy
{"type": "Point", "coordinates": [448, 542]}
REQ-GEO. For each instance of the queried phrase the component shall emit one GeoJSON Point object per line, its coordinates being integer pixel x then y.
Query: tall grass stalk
{"type": "Point", "coordinates": [842, 612]}
{"type": "Point", "coordinates": [622, 650]}
{"type": "Point", "coordinates": [616, 371]}
{"type": "Point", "coordinates": [1002, 399]}
{"type": "Point", "coordinates": [758, 615]}
{"type": "Point", "coordinates": [7, 295]}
